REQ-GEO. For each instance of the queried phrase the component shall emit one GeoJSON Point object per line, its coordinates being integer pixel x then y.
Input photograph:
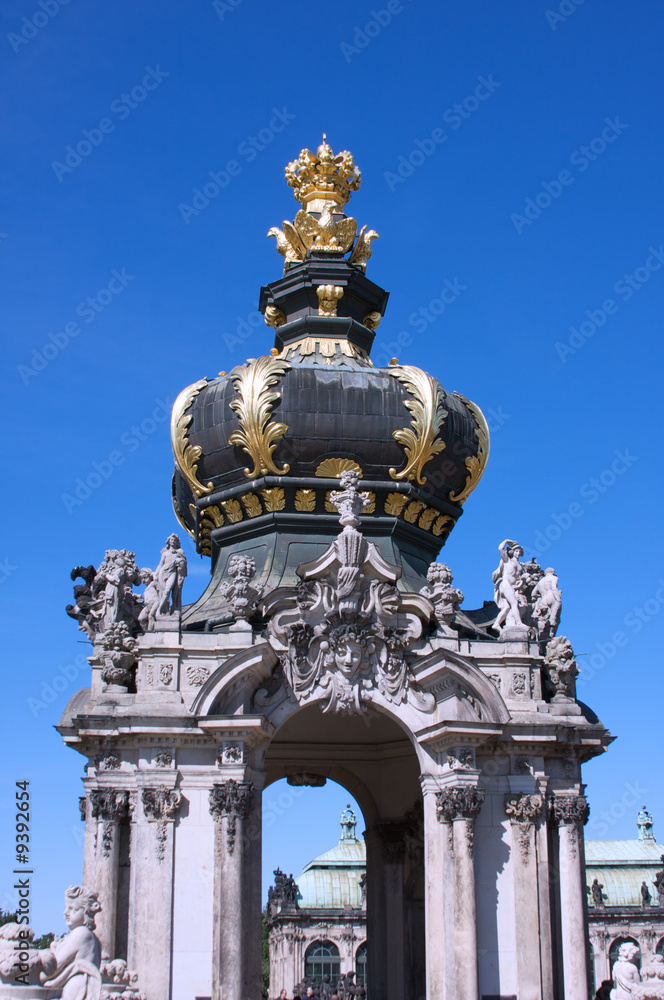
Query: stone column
{"type": "Point", "coordinates": [393, 850]}
{"type": "Point", "coordinates": [230, 803]}
{"type": "Point", "coordinates": [439, 896]}
{"type": "Point", "coordinates": [108, 807]}
{"type": "Point", "coordinates": [151, 890]}
{"type": "Point", "coordinates": [570, 812]}
{"type": "Point", "coordinates": [523, 811]}
{"type": "Point", "coordinates": [599, 939]}
{"type": "Point", "coordinates": [459, 806]}
{"type": "Point", "coordinates": [376, 914]}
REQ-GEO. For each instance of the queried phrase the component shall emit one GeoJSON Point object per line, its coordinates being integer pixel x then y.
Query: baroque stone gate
{"type": "Point", "coordinates": [331, 644]}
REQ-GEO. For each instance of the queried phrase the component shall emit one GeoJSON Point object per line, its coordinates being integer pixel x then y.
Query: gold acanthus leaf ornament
{"type": "Point", "coordinates": [420, 440]}
{"type": "Point", "coordinates": [187, 455]}
{"type": "Point", "coordinates": [258, 434]}
{"type": "Point", "coordinates": [475, 464]}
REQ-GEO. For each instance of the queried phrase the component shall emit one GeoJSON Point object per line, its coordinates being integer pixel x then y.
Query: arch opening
{"type": "Point", "coordinates": [377, 913]}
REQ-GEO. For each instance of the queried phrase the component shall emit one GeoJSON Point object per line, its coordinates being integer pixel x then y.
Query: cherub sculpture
{"type": "Point", "coordinates": [78, 953]}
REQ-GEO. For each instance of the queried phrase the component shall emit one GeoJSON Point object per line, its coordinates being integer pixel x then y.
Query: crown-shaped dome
{"type": "Point", "coordinates": [258, 450]}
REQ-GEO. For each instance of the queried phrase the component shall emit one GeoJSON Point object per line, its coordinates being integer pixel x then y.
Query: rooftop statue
{"type": "Point", "coordinates": [106, 599]}
{"type": "Point", "coordinates": [548, 604]}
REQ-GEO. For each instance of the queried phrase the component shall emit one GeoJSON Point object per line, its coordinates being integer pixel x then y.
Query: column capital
{"type": "Point", "coordinates": [231, 800]}
{"type": "Point", "coordinates": [109, 804]}
{"type": "Point", "coordinates": [569, 810]}
{"type": "Point", "coordinates": [523, 808]}
{"type": "Point", "coordinates": [459, 802]}
{"type": "Point", "coordinates": [160, 804]}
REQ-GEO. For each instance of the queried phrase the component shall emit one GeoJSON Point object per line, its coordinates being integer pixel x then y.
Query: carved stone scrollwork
{"type": "Point", "coordinates": [343, 633]}
{"type": "Point", "coordinates": [82, 806]}
{"type": "Point", "coordinates": [523, 811]}
{"type": "Point", "coordinates": [119, 657]}
{"type": "Point", "coordinates": [241, 596]}
{"type": "Point", "coordinates": [231, 800]}
{"type": "Point", "coordinates": [161, 804]}
{"type": "Point", "coordinates": [560, 669]}
{"type": "Point", "coordinates": [444, 597]}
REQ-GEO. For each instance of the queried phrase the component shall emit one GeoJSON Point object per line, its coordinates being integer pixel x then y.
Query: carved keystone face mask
{"type": "Point", "coordinates": [348, 657]}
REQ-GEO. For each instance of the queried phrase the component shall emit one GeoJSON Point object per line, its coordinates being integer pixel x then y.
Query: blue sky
{"type": "Point", "coordinates": [509, 150]}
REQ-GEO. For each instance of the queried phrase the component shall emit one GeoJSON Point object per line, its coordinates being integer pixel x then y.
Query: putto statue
{"type": "Point", "coordinates": [78, 954]}
{"type": "Point", "coordinates": [625, 973]}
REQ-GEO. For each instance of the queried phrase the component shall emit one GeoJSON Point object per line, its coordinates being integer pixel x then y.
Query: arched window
{"type": "Point", "coordinates": [615, 948]}
{"type": "Point", "coordinates": [659, 950]}
{"type": "Point", "coordinates": [322, 959]}
{"type": "Point", "coordinates": [361, 965]}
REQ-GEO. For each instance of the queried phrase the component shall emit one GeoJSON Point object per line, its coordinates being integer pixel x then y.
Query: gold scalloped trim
{"type": "Point", "coordinates": [258, 434]}
{"type": "Point", "coordinates": [327, 348]}
{"type": "Point", "coordinates": [187, 455]}
{"type": "Point", "coordinates": [475, 464]}
{"type": "Point", "coordinates": [420, 441]}
{"type": "Point", "coordinates": [331, 468]}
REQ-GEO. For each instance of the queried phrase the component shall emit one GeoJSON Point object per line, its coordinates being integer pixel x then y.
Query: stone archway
{"type": "Point", "coordinates": [374, 759]}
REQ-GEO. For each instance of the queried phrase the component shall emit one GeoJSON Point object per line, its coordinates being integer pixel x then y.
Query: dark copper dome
{"type": "Point", "coordinates": [258, 449]}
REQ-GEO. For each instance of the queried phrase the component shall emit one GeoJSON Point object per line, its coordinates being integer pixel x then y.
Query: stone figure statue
{"type": "Point", "coordinates": [169, 576]}
{"type": "Point", "coordinates": [548, 604]}
{"type": "Point", "coordinates": [645, 895]}
{"type": "Point", "coordinates": [625, 973]}
{"type": "Point", "coordinates": [659, 884]}
{"type": "Point", "coordinates": [644, 821]}
{"type": "Point", "coordinates": [78, 953]}
{"type": "Point", "coordinates": [596, 892]}
{"type": "Point", "coordinates": [348, 824]}
{"type": "Point", "coordinates": [507, 580]}
{"type": "Point", "coordinates": [113, 583]}
{"type": "Point", "coordinates": [106, 597]}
